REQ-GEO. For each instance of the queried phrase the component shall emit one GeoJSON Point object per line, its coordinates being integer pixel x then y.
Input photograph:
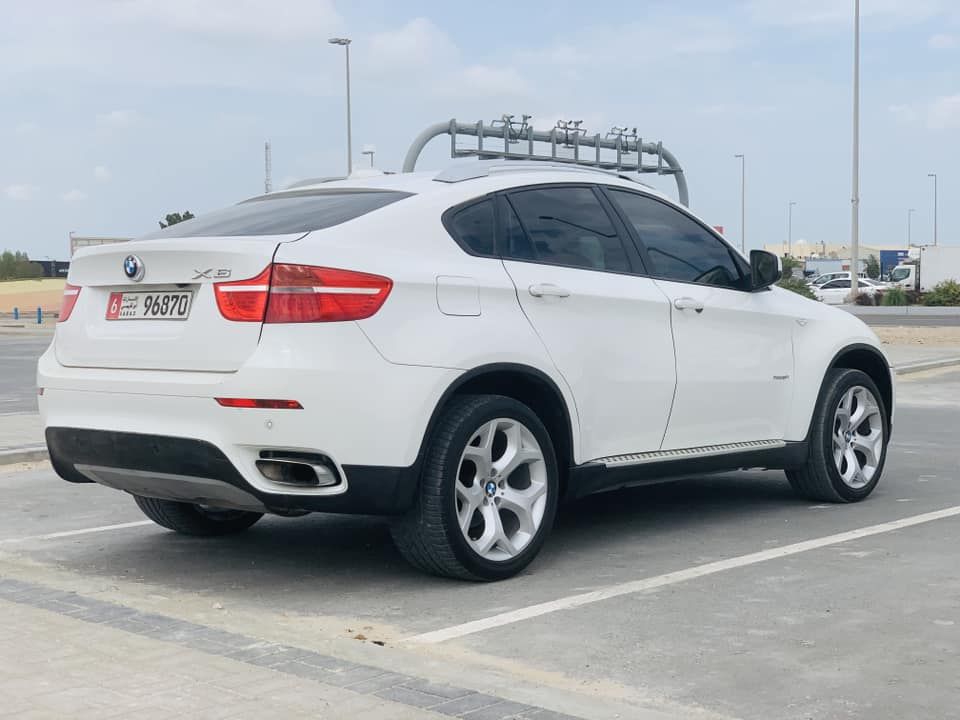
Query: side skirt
{"type": "Point", "coordinates": [661, 466]}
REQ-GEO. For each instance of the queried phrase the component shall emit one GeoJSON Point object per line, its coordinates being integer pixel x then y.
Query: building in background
{"type": "Point", "coordinates": [78, 241]}
{"type": "Point", "coordinates": [54, 268]}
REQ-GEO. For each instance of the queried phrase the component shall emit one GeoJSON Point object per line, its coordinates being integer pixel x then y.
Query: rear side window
{"type": "Point", "coordinates": [474, 228]}
{"type": "Point", "coordinates": [837, 285]}
{"type": "Point", "coordinates": [283, 214]}
{"type": "Point", "coordinates": [568, 226]}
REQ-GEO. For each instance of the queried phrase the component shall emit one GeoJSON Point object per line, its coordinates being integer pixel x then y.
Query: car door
{"type": "Point", "coordinates": [605, 325]}
{"type": "Point", "coordinates": [835, 291]}
{"type": "Point", "coordinates": [734, 348]}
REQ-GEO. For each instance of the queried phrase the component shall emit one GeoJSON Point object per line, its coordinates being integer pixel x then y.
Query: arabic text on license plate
{"type": "Point", "coordinates": [158, 305]}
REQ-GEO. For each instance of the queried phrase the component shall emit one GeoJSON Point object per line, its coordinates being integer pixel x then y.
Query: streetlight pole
{"type": "Point", "coordinates": [345, 42]}
{"type": "Point", "coordinates": [934, 176]}
{"type": "Point", "coordinates": [790, 227]}
{"type": "Point", "coordinates": [855, 195]}
{"type": "Point", "coordinates": [743, 203]}
{"type": "Point", "coordinates": [910, 213]}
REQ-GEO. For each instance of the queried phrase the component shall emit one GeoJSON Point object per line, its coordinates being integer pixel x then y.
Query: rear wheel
{"type": "Point", "coordinates": [848, 440]}
{"type": "Point", "coordinates": [488, 492]}
{"type": "Point", "coordinates": [190, 519]}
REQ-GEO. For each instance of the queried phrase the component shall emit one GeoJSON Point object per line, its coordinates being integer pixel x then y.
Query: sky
{"type": "Point", "coordinates": [116, 112]}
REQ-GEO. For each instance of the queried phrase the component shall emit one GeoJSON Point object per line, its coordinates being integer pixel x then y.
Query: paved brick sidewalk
{"type": "Point", "coordinates": [67, 655]}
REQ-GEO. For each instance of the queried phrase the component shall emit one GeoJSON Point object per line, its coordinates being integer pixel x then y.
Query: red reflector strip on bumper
{"type": "Point", "coordinates": [260, 404]}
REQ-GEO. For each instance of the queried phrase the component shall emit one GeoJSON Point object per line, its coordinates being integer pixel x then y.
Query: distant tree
{"type": "Point", "coordinates": [790, 264]}
{"type": "Point", "coordinates": [873, 267]}
{"type": "Point", "coordinates": [17, 266]}
{"type": "Point", "coordinates": [174, 218]}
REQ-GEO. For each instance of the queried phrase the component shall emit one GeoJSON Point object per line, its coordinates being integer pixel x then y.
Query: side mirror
{"type": "Point", "coordinates": [765, 269]}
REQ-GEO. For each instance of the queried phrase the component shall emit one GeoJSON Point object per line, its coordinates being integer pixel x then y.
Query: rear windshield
{"type": "Point", "coordinates": [283, 214]}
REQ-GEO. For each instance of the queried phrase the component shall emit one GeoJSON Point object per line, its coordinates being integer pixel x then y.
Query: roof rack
{"type": "Point", "coordinates": [519, 141]}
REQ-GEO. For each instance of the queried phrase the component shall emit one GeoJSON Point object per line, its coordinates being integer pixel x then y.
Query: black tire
{"type": "Point", "coordinates": [819, 479]}
{"type": "Point", "coordinates": [190, 519]}
{"type": "Point", "coordinates": [428, 536]}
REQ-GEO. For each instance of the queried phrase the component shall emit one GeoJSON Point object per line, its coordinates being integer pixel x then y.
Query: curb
{"type": "Point", "coordinates": [926, 365]}
{"type": "Point", "coordinates": [35, 453]}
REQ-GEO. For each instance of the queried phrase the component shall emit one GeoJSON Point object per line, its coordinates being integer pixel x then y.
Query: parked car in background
{"type": "Point", "coordinates": [837, 291]}
{"type": "Point", "coordinates": [827, 277]}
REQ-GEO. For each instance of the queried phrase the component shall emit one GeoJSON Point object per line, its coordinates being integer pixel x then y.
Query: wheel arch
{"type": "Point", "coordinates": [526, 384]}
{"type": "Point", "coordinates": [871, 361]}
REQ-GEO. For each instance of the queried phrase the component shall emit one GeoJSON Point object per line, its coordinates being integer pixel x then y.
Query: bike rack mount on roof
{"type": "Point", "coordinates": [567, 134]}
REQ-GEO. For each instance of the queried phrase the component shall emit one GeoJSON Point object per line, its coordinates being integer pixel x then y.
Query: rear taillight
{"type": "Point", "coordinates": [71, 293]}
{"type": "Point", "coordinates": [303, 293]}
{"type": "Point", "coordinates": [244, 300]}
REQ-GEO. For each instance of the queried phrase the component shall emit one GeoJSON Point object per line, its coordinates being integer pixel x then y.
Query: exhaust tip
{"type": "Point", "coordinates": [304, 470]}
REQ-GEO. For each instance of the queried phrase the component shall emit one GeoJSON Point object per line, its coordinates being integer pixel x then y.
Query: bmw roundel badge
{"type": "Point", "coordinates": [133, 268]}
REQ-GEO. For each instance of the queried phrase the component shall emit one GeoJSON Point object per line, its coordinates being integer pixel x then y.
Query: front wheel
{"type": "Point", "coordinates": [488, 492]}
{"type": "Point", "coordinates": [848, 440]}
{"type": "Point", "coordinates": [190, 519]}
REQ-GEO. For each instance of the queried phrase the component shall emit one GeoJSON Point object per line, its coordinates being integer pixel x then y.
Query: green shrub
{"type": "Point", "coordinates": [894, 296]}
{"type": "Point", "coordinates": [867, 299]}
{"type": "Point", "coordinates": [798, 286]}
{"type": "Point", "coordinates": [944, 293]}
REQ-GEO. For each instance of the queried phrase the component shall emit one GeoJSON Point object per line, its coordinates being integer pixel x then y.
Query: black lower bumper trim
{"type": "Point", "coordinates": [371, 490]}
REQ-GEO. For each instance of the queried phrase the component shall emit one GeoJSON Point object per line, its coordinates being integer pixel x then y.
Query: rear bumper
{"type": "Point", "coordinates": [366, 415]}
{"type": "Point", "coordinates": [189, 470]}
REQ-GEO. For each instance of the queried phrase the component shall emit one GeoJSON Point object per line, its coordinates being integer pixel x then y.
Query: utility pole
{"type": "Point", "coordinates": [934, 176]}
{"type": "Point", "coordinates": [743, 204]}
{"type": "Point", "coordinates": [790, 227]}
{"type": "Point", "coordinates": [910, 213]}
{"type": "Point", "coordinates": [345, 42]}
{"type": "Point", "coordinates": [267, 168]}
{"type": "Point", "coordinates": [855, 195]}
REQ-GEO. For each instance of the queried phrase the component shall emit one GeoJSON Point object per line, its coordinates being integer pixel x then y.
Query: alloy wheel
{"type": "Point", "coordinates": [501, 489]}
{"type": "Point", "coordinates": [857, 437]}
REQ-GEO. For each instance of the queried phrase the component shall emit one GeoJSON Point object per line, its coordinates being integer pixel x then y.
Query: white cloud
{"type": "Point", "coordinates": [117, 119]}
{"type": "Point", "coordinates": [20, 191]}
{"type": "Point", "coordinates": [253, 18]}
{"type": "Point", "coordinates": [834, 12]}
{"type": "Point", "coordinates": [942, 41]}
{"type": "Point", "coordinates": [102, 173]}
{"type": "Point", "coordinates": [944, 113]}
{"type": "Point", "coordinates": [416, 45]}
{"type": "Point", "coordinates": [905, 114]}
{"type": "Point", "coordinates": [487, 80]}
{"type": "Point", "coordinates": [74, 196]}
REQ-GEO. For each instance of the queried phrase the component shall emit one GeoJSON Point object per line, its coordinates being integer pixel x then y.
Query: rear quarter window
{"type": "Point", "coordinates": [283, 214]}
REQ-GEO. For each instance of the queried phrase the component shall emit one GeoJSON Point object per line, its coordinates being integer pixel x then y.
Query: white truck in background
{"type": "Point", "coordinates": [935, 264]}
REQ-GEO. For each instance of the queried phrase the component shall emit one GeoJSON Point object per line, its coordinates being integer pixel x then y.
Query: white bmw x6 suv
{"type": "Point", "coordinates": [460, 351]}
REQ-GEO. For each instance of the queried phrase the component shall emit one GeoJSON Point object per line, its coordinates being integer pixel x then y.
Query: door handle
{"type": "Point", "coordinates": [548, 290]}
{"type": "Point", "coordinates": [688, 303]}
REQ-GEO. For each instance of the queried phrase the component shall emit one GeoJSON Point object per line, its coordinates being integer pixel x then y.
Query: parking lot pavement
{"type": "Point", "coordinates": [718, 597]}
{"type": "Point", "coordinates": [18, 379]}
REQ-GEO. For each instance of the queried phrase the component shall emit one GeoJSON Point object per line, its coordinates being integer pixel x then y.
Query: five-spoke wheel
{"type": "Point", "coordinates": [488, 491]}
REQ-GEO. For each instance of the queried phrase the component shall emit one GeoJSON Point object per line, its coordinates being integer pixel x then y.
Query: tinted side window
{"type": "Point", "coordinates": [837, 284]}
{"type": "Point", "coordinates": [568, 226]}
{"type": "Point", "coordinates": [474, 227]}
{"type": "Point", "coordinates": [283, 213]}
{"type": "Point", "coordinates": [679, 247]}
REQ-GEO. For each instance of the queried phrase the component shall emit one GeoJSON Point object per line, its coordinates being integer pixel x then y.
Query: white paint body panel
{"type": "Point", "coordinates": [610, 341]}
{"type": "Point", "coordinates": [734, 366]}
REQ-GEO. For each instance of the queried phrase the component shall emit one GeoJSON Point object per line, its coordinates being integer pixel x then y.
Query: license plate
{"type": "Point", "coordinates": [156, 305]}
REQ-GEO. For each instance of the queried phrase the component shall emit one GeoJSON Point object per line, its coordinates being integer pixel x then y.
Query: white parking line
{"type": "Point", "coordinates": [651, 583]}
{"type": "Point", "coordinates": [71, 533]}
